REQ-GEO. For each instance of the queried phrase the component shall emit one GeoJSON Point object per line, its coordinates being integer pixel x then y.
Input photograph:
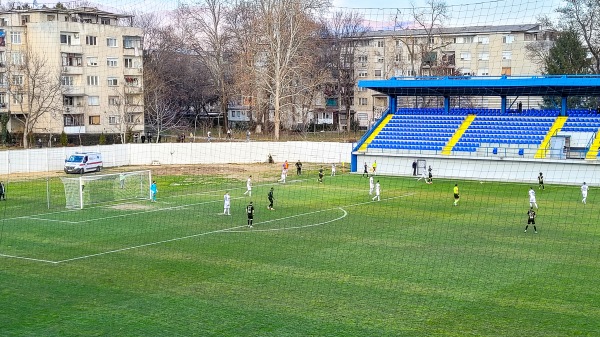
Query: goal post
{"type": "Point", "coordinates": [86, 190]}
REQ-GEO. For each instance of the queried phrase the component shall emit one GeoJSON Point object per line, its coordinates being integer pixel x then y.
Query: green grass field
{"type": "Point", "coordinates": [327, 262]}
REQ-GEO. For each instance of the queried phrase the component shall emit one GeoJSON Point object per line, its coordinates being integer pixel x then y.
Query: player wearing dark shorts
{"type": "Point", "coordinates": [541, 180]}
{"type": "Point", "coordinates": [321, 175]}
{"type": "Point", "coordinates": [250, 212]}
{"type": "Point", "coordinates": [271, 199]}
{"type": "Point", "coordinates": [531, 220]}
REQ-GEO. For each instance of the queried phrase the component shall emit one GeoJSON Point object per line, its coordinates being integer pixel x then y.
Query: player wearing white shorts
{"type": "Point", "coordinates": [377, 191]}
{"type": "Point", "coordinates": [226, 203]}
{"type": "Point", "coordinates": [532, 201]}
{"type": "Point", "coordinates": [249, 186]}
{"type": "Point", "coordinates": [332, 170]}
{"type": "Point", "coordinates": [371, 185]}
{"type": "Point", "coordinates": [584, 190]}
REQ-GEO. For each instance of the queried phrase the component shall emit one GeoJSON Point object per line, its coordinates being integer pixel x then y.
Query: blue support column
{"type": "Point", "coordinates": [563, 106]}
{"type": "Point", "coordinates": [353, 163]}
{"type": "Point", "coordinates": [447, 105]}
{"type": "Point", "coordinates": [393, 101]}
{"type": "Point", "coordinates": [503, 104]}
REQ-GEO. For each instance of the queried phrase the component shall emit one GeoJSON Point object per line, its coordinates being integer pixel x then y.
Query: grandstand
{"type": "Point", "coordinates": [505, 132]}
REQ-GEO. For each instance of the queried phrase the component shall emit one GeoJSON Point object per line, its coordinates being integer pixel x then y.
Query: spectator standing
{"type": "Point", "coordinates": [2, 191]}
{"type": "Point", "coordinates": [414, 167]}
{"type": "Point", "coordinates": [298, 167]}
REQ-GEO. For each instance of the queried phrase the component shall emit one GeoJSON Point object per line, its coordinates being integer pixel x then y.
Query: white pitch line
{"type": "Point", "coordinates": [51, 220]}
{"type": "Point", "coordinates": [202, 234]}
{"type": "Point", "coordinates": [28, 258]}
{"type": "Point", "coordinates": [288, 228]}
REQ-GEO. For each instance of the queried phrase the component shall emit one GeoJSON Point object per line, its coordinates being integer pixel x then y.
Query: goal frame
{"type": "Point", "coordinates": [82, 179]}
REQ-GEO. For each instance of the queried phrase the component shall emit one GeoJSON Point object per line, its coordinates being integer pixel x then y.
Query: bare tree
{"type": "Point", "coordinates": [343, 33]}
{"type": "Point", "coordinates": [202, 31]}
{"type": "Point", "coordinates": [286, 30]}
{"type": "Point", "coordinates": [422, 39]}
{"type": "Point", "coordinates": [35, 89]}
{"type": "Point", "coordinates": [583, 17]}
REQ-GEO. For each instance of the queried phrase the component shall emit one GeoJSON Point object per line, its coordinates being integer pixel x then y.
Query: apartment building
{"type": "Point", "coordinates": [92, 66]}
{"type": "Point", "coordinates": [452, 51]}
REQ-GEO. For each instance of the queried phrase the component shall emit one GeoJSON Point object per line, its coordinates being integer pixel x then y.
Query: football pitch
{"type": "Point", "coordinates": [328, 261]}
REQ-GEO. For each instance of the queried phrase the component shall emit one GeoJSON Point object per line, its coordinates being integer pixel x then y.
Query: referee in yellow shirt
{"type": "Point", "coordinates": [456, 195]}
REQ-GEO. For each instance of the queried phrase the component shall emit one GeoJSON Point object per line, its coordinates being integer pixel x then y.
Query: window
{"type": "Point", "coordinates": [362, 58]}
{"type": "Point", "coordinates": [362, 116]}
{"type": "Point", "coordinates": [113, 82]}
{"type": "Point", "coordinates": [530, 37]}
{"type": "Point", "coordinates": [399, 43]}
{"type": "Point", "coordinates": [128, 62]}
{"type": "Point", "coordinates": [93, 100]}
{"type": "Point", "coordinates": [465, 56]}
{"type": "Point", "coordinates": [2, 58]}
{"type": "Point", "coordinates": [72, 60]}
{"type": "Point", "coordinates": [508, 39]}
{"type": "Point", "coordinates": [50, 17]}
{"type": "Point", "coordinates": [94, 120]}
{"type": "Point", "coordinates": [91, 40]}
{"type": "Point", "coordinates": [377, 73]}
{"type": "Point", "coordinates": [362, 101]}
{"type": "Point", "coordinates": [105, 21]}
{"type": "Point", "coordinates": [92, 61]}
{"type": "Point", "coordinates": [17, 98]}
{"type": "Point", "coordinates": [3, 79]}
{"type": "Point", "coordinates": [362, 73]}
{"type": "Point", "coordinates": [483, 72]}
{"type": "Point", "coordinates": [483, 39]}
{"type": "Point", "coordinates": [112, 62]}
{"type": "Point", "coordinates": [431, 40]}
{"type": "Point", "coordinates": [130, 118]}
{"type": "Point", "coordinates": [65, 39]}
{"type": "Point", "coordinates": [112, 120]}
{"type": "Point", "coordinates": [380, 43]}
{"type": "Point", "coordinates": [398, 58]}
{"type": "Point", "coordinates": [17, 58]}
{"type": "Point", "coordinates": [2, 100]}
{"type": "Point", "coordinates": [92, 80]}
{"type": "Point", "coordinates": [111, 42]}
{"type": "Point", "coordinates": [66, 80]}
{"type": "Point", "coordinates": [466, 72]}
{"type": "Point", "coordinates": [484, 56]}
{"type": "Point", "coordinates": [24, 19]}
{"type": "Point", "coordinates": [380, 59]}
{"type": "Point", "coordinates": [132, 81]}
{"type": "Point", "coordinates": [507, 55]}
{"type": "Point", "coordinates": [131, 42]}
{"type": "Point", "coordinates": [17, 79]}
{"type": "Point", "coordinates": [113, 100]}
{"type": "Point", "coordinates": [68, 101]}
{"type": "Point", "coordinates": [15, 37]}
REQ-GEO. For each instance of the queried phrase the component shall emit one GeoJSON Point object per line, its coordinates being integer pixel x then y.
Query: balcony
{"type": "Point", "coordinates": [133, 71]}
{"type": "Point", "coordinates": [73, 110]}
{"type": "Point", "coordinates": [132, 89]}
{"type": "Point", "coordinates": [73, 130]}
{"type": "Point", "coordinates": [69, 48]}
{"type": "Point", "coordinates": [72, 90]}
{"type": "Point", "coordinates": [72, 70]}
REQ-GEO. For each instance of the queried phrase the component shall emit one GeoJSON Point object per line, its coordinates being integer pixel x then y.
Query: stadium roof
{"type": "Point", "coordinates": [561, 85]}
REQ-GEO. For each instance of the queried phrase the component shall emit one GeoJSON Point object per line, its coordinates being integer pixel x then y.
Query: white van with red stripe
{"type": "Point", "coordinates": [82, 162]}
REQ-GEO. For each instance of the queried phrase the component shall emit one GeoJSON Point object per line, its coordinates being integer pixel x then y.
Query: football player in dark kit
{"type": "Point", "coordinates": [250, 212]}
{"type": "Point", "coordinates": [531, 220]}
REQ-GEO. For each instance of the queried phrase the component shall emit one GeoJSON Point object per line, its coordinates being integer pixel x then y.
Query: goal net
{"type": "Point", "coordinates": [86, 190]}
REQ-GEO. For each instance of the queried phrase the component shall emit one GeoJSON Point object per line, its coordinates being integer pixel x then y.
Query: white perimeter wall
{"type": "Point", "coordinates": [53, 159]}
{"type": "Point", "coordinates": [515, 169]}
{"type": "Point", "coordinates": [488, 169]}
